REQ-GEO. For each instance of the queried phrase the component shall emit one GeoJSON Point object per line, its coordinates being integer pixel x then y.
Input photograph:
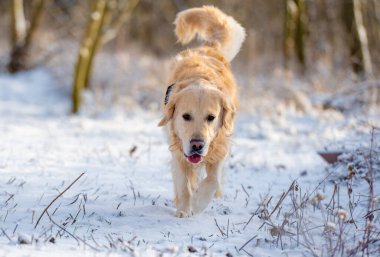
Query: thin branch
{"type": "Point", "coordinates": [221, 231]}
{"type": "Point", "coordinates": [283, 196]}
{"type": "Point", "coordinates": [245, 191]}
{"type": "Point", "coordinates": [369, 213]}
{"type": "Point", "coordinates": [253, 215]}
{"type": "Point", "coordinates": [120, 19]}
{"type": "Point", "coordinates": [5, 234]}
{"type": "Point", "coordinates": [67, 188]}
{"type": "Point", "coordinates": [242, 247]}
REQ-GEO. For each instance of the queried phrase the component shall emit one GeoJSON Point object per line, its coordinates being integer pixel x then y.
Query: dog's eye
{"type": "Point", "coordinates": [186, 117]}
{"type": "Point", "coordinates": [210, 118]}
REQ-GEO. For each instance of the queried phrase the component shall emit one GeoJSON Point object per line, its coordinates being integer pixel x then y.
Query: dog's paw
{"type": "Point", "coordinates": [218, 193]}
{"type": "Point", "coordinates": [183, 214]}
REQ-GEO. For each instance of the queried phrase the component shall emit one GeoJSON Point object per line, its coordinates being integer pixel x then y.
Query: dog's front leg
{"type": "Point", "coordinates": [208, 187]}
{"type": "Point", "coordinates": [183, 190]}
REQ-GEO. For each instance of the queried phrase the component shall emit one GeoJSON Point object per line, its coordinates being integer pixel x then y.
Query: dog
{"type": "Point", "coordinates": [200, 104]}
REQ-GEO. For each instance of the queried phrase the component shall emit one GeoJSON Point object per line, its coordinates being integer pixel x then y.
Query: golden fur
{"type": "Point", "coordinates": [202, 85]}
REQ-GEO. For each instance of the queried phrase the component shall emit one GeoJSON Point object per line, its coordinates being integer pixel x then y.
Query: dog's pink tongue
{"type": "Point", "coordinates": [194, 158]}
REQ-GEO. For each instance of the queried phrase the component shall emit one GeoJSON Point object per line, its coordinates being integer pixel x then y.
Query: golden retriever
{"type": "Point", "coordinates": [200, 105]}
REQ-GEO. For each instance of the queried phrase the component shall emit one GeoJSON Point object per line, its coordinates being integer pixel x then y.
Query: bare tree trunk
{"type": "Point", "coordinates": [18, 24]}
{"type": "Point", "coordinates": [288, 44]}
{"type": "Point", "coordinates": [376, 9]}
{"type": "Point", "coordinates": [22, 37]}
{"type": "Point", "coordinates": [373, 7]}
{"type": "Point", "coordinates": [301, 32]}
{"type": "Point", "coordinates": [96, 44]}
{"type": "Point", "coordinates": [101, 28]}
{"type": "Point", "coordinates": [34, 21]}
{"type": "Point", "coordinates": [87, 47]}
{"type": "Point", "coordinates": [295, 32]}
{"type": "Point", "coordinates": [358, 41]}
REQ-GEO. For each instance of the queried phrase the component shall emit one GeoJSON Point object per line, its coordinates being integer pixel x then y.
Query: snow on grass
{"type": "Point", "coordinates": [123, 203]}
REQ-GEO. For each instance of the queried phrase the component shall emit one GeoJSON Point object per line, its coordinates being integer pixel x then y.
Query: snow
{"type": "Point", "coordinates": [123, 203]}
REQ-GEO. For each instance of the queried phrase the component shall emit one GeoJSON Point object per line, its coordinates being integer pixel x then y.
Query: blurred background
{"type": "Point", "coordinates": [301, 54]}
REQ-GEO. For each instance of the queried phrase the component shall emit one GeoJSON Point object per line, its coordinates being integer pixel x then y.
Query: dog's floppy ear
{"type": "Point", "coordinates": [229, 111]}
{"type": "Point", "coordinates": [168, 93]}
{"type": "Point", "coordinates": [169, 106]}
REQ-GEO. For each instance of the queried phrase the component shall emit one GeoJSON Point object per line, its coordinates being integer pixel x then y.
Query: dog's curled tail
{"type": "Point", "coordinates": [211, 26]}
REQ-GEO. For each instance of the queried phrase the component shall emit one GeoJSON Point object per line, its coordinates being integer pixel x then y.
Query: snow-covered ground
{"type": "Point", "coordinates": [123, 202]}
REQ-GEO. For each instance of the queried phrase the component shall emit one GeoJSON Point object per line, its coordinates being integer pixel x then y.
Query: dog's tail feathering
{"type": "Point", "coordinates": [211, 26]}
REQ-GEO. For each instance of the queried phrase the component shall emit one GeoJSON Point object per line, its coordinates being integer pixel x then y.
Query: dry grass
{"type": "Point", "coordinates": [339, 217]}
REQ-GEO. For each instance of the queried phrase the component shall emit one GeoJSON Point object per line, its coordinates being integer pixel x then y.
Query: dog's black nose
{"type": "Point", "coordinates": [197, 144]}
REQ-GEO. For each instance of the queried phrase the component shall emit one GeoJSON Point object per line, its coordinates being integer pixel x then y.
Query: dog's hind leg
{"type": "Point", "coordinates": [209, 187]}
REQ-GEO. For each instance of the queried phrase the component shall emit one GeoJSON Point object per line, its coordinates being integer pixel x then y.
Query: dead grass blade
{"type": "Point", "coordinates": [59, 195]}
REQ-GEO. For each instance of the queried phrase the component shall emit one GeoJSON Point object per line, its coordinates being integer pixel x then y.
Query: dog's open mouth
{"type": "Point", "coordinates": [195, 158]}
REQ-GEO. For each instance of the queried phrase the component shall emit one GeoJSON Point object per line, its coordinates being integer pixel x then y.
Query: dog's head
{"type": "Point", "coordinates": [197, 114]}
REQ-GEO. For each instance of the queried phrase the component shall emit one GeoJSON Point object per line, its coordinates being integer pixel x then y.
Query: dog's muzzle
{"type": "Point", "coordinates": [196, 150]}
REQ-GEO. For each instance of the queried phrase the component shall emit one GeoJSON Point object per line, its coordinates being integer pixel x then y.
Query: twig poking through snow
{"type": "Point", "coordinates": [228, 226]}
{"type": "Point", "coordinates": [221, 231]}
{"type": "Point", "coordinates": [47, 207]}
{"type": "Point", "coordinates": [283, 196]}
{"type": "Point", "coordinates": [245, 191]}
{"type": "Point", "coordinates": [73, 236]}
{"type": "Point", "coordinates": [253, 215]}
{"type": "Point", "coordinates": [5, 234]}
{"type": "Point", "coordinates": [242, 247]}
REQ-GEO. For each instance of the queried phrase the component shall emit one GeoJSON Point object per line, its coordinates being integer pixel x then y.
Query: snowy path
{"type": "Point", "coordinates": [124, 200]}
